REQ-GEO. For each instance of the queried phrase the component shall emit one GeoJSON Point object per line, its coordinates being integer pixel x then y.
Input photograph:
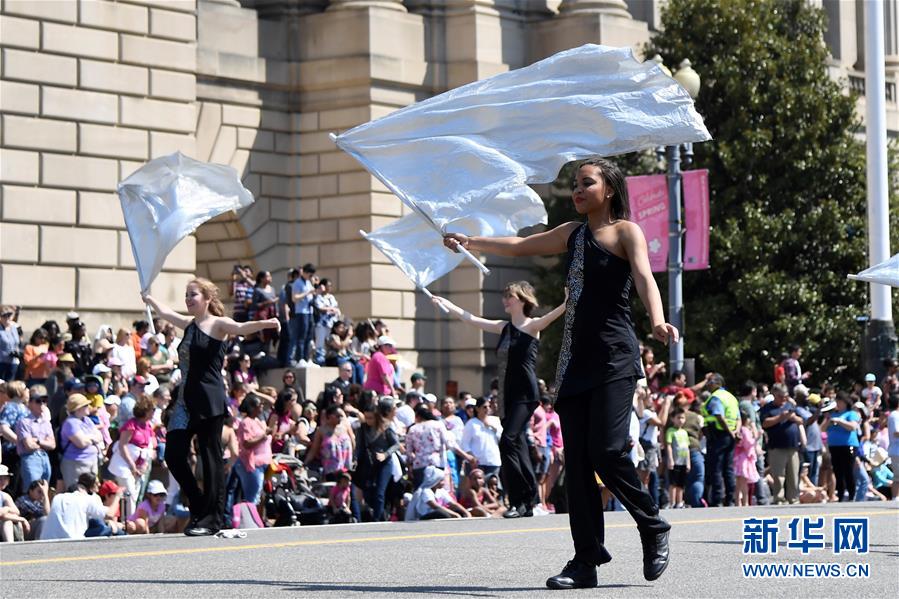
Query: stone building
{"type": "Point", "coordinates": [91, 89]}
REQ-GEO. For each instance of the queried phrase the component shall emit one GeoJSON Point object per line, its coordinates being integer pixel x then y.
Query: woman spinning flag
{"type": "Point", "coordinates": [519, 395]}
{"type": "Point", "coordinates": [599, 363]}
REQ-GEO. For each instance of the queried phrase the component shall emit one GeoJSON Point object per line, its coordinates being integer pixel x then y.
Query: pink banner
{"type": "Point", "coordinates": [649, 209]}
{"type": "Point", "coordinates": [696, 219]}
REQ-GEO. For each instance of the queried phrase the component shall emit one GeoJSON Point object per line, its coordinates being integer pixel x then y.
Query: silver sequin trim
{"type": "Point", "coordinates": [184, 351]}
{"type": "Point", "coordinates": [178, 416]}
{"type": "Point", "coordinates": [575, 287]}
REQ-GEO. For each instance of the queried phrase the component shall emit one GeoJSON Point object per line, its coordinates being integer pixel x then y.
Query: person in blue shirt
{"type": "Point", "coordinates": [842, 426]}
{"type": "Point", "coordinates": [783, 426]}
{"type": "Point", "coordinates": [301, 324]}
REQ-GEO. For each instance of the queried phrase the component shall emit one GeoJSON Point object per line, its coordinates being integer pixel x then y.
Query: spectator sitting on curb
{"type": "Point", "coordinates": [425, 504]}
{"type": "Point", "coordinates": [34, 505]}
{"type": "Point", "coordinates": [150, 513]}
{"type": "Point", "coordinates": [70, 512]}
{"type": "Point", "coordinates": [339, 500]}
{"type": "Point", "coordinates": [112, 524]}
{"type": "Point", "coordinates": [477, 499]}
{"type": "Point", "coordinates": [13, 526]}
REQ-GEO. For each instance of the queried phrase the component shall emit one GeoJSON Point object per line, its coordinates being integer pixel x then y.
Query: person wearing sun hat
{"type": "Point", "coordinates": [93, 390]}
{"type": "Point", "coordinates": [149, 516]}
{"type": "Point", "coordinates": [842, 424]}
{"type": "Point", "coordinates": [79, 439]}
{"type": "Point", "coordinates": [810, 414]}
{"type": "Point", "coordinates": [872, 395]}
{"type": "Point", "coordinates": [424, 504]}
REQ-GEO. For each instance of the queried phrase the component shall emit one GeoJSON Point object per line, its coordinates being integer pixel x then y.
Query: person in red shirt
{"type": "Point", "coordinates": [780, 372]}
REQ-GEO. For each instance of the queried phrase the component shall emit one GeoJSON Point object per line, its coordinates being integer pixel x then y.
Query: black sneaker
{"type": "Point", "coordinates": [526, 511]}
{"type": "Point", "coordinates": [575, 575]}
{"type": "Point", "coordinates": [199, 531]}
{"type": "Point", "coordinates": [655, 554]}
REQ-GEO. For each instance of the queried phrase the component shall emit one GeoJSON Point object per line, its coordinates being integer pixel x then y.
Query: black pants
{"type": "Point", "coordinates": [595, 429]}
{"type": "Point", "coordinates": [843, 460]}
{"type": "Point", "coordinates": [207, 506]}
{"type": "Point", "coordinates": [517, 468]}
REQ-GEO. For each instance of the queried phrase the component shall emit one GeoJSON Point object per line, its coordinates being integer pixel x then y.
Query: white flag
{"type": "Point", "coordinates": [167, 199]}
{"type": "Point", "coordinates": [885, 273]}
{"type": "Point", "coordinates": [451, 155]}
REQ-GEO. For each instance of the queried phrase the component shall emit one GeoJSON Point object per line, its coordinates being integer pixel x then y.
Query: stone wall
{"type": "Point", "coordinates": [88, 92]}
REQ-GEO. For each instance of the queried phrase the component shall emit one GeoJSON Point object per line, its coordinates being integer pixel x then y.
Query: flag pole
{"type": "Point", "coordinates": [431, 296]}
{"type": "Point", "coordinates": [144, 290]}
{"type": "Point", "coordinates": [150, 319]}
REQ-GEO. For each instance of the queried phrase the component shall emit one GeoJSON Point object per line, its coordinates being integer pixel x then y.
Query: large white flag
{"type": "Point", "coordinates": [885, 273]}
{"type": "Point", "coordinates": [167, 199]}
{"type": "Point", "coordinates": [449, 157]}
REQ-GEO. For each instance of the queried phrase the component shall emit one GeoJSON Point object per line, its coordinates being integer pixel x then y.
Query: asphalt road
{"type": "Point", "coordinates": [477, 558]}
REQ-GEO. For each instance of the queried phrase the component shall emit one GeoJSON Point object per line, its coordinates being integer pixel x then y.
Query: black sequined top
{"type": "Point", "coordinates": [598, 344]}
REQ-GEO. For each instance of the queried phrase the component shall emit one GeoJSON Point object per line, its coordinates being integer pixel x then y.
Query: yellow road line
{"type": "Point", "coordinates": [438, 535]}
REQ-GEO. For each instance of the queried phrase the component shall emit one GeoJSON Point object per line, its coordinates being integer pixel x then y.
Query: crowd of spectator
{"type": "Point", "coordinates": [82, 421]}
{"type": "Point", "coordinates": [785, 442]}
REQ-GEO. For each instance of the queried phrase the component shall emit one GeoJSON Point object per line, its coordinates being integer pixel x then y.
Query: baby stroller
{"type": "Point", "coordinates": [288, 495]}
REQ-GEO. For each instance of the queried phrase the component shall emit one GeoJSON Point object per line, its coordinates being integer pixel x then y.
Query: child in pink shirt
{"type": "Point", "coordinates": [339, 500]}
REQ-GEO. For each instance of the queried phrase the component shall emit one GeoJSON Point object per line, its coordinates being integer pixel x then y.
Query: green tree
{"type": "Point", "coordinates": [787, 181]}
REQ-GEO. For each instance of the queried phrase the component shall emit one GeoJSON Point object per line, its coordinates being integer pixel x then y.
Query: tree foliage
{"type": "Point", "coordinates": [787, 182]}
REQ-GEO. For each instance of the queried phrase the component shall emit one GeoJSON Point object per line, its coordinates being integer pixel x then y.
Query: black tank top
{"type": "Point", "coordinates": [598, 343]}
{"type": "Point", "coordinates": [200, 361]}
{"type": "Point", "coordinates": [517, 353]}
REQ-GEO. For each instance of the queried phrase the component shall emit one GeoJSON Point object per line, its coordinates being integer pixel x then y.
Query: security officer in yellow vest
{"type": "Point", "coordinates": [721, 412]}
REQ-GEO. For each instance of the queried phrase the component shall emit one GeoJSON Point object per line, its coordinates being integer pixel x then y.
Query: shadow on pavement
{"type": "Point", "coordinates": [286, 586]}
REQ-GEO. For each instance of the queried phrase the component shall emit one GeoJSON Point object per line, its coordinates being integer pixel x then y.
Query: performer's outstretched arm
{"type": "Point", "coordinates": [227, 326]}
{"type": "Point", "coordinates": [491, 326]}
{"type": "Point", "coordinates": [538, 324]}
{"type": "Point", "coordinates": [554, 241]}
{"type": "Point", "coordinates": [165, 312]}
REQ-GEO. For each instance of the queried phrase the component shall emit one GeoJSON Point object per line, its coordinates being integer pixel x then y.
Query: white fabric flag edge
{"type": "Point", "coordinates": [885, 273]}
{"type": "Point", "coordinates": [561, 159]}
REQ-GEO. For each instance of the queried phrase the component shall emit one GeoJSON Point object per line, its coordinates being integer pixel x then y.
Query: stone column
{"type": "Point", "coordinates": [336, 5]}
{"type": "Point", "coordinates": [588, 22]}
{"type": "Point", "coordinates": [278, 9]}
{"type": "Point", "coordinates": [610, 7]}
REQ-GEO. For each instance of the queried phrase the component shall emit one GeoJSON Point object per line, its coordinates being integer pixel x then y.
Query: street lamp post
{"type": "Point", "coordinates": [675, 257]}
{"type": "Point", "coordinates": [689, 79]}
